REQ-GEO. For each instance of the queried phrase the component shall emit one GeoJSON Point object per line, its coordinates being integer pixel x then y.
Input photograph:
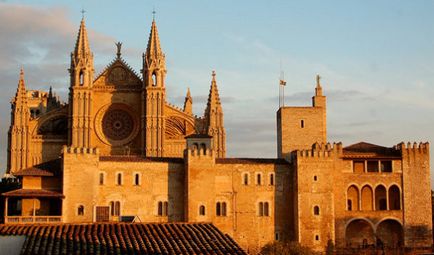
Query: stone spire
{"type": "Point", "coordinates": [213, 97]}
{"type": "Point", "coordinates": [21, 89]}
{"type": "Point", "coordinates": [214, 125]}
{"type": "Point", "coordinates": [18, 150]}
{"type": "Point", "coordinates": [82, 49]}
{"type": "Point", "coordinates": [188, 103]}
{"type": "Point", "coordinates": [154, 58]}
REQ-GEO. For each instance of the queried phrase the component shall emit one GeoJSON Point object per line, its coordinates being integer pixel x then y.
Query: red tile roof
{"type": "Point", "coordinates": [49, 168]}
{"type": "Point", "coordinates": [32, 193]}
{"type": "Point", "coordinates": [364, 149]}
{"type": "Point", "coordinates": [124, 238]}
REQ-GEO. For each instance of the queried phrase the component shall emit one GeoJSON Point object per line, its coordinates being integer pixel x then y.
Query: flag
{"type": "Point", "coordinates": [282, 82]}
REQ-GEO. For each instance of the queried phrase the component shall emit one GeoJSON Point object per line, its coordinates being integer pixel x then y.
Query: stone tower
{"type": "Point", "coordinates": [298, 128]}
{"type": "Point", "coordinates": [19, 135]}
{"type": "Point", "coordinates": [80, 92]}
{"type": "Point", "coordinates": [154, 72]}
{"type": "Point", "coordinates": [188, 103]}
{"type": "Point", "coordinates": [214, 125]}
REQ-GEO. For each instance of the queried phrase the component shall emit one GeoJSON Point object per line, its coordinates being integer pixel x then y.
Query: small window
{"type": "Point", "coordinates": [160, 209]}
{"type": "Point", "coordinates": [258, 179]}
{"type": "Point", "coordinates": [315, 178]}
{"type": "Point", "coordinates": [316, 210]}
{"type": "Point", "coordinates": [119, 179]}
{"type": "Point", "coordinates": [115, 208]}
{"type": "Point", "coordinates": [386, 166]}
{"type": "Point", "coordinates": [136, 179]}
{"type": "Point", "coordinates": [80, 210]}
{"type": "Point", "coordinates": [372, 166]}
{"type": "Point", "coordinates": [261, 209]}
{"type": "Point", "coordinates": [350, 205]}
{"type": "Point", "coordinates": [266, 209]}
{"type": "Point", "coordinates": [221, 209]}
{"type": "Point", "coordinates": [163, 208]}
{"type": "Point", "coordinates": [272, 179]}
{"type": "Point", "coordinates": [276, 236]}
{"type": "Point", "coordinates": [302, 123]}
{"type": "Point", "coordinates": [101, 178]}
{"type": "Point", "coordinates": [202, 210]}
{"type": "Point", "coordinates": [154, 80]}
{"type": "Point", "coordinates": [81, 78]}
{"type": "Point", "coordinates": [316, 237]}
{"type": "Point", "coordinates": [245, 179]}
{"type": "Point", "coordinates": [203, 148]}
{"type": "Point", "coordinates": [383, 204]}
{"type": "Point", "coordinates": [358, 167]}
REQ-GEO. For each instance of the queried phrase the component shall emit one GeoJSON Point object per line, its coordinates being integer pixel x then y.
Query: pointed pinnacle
{"type": "Point", "coordinates": [188, 92]}
{"type": "Point", "coordinates": [153, 48]}
{"type": "Point", "coordinates": [82, 44]}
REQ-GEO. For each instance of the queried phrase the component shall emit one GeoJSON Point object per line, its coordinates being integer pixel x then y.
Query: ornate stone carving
{"type": "Point", "coordinates": [117, 124]}
{"type": "Point", "coordinates": [117, 74]}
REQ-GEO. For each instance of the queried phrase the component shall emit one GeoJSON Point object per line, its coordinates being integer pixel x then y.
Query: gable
{"type": "Point", "coordinates": [118, 74]}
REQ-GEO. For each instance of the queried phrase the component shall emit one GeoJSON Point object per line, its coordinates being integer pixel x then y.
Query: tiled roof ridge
{"type": "Point", "coordinates": [123, 238]}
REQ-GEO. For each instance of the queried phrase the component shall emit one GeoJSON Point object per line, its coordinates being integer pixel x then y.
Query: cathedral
{"type": "Point", "coordinates": [117, 151]}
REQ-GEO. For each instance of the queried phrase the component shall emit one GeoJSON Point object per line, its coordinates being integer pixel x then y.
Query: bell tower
{"type": "Point", "coordinates": [154, 96]}
{"type": "Point", "coordinates": [80, 91]}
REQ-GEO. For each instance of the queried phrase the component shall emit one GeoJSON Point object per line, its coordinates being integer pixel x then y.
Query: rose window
{"type": "Point", "coordinates": [117, 124]}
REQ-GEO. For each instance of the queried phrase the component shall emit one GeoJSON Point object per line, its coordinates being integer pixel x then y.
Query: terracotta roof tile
{"type": "Point", "coordinates": [124, 238]}
{"type": "Point", "coordinates": [369, 150]}
{"type": "Point", "coordinates": [135, 158]}
{"type": "Point", "coordinates": [32, 193]}
{"type": "Point", "coordinates": [49, 168]}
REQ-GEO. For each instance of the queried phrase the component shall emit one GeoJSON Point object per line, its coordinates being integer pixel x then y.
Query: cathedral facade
{"type": "Point", "coordinates": [117, 151]}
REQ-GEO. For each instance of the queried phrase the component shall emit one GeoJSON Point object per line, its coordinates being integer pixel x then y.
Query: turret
{"type": "Point", "coordinates": [154, 96]}
{"type": "Point", "coordinates": [18, 136]}
{"type": "Point", "coordinates": [214, 125]}
{"type": "Point", "coordinates": [188, 103]}
{"type": "Point", "coordinates": [80, 91]}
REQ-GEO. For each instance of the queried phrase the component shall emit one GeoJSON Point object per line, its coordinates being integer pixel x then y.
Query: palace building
{"type": "Point", "coordinates": [118, 151]}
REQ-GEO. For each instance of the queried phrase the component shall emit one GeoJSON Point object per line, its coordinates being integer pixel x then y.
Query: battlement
{"type": "Point", "coordinates": [80, 150]}
{"type": "Point", "coordinates": [422, 147]}
{"type": "Point", "coordinates": [200, 153]}
{"type": "Point", "coordinates": [321, 150]}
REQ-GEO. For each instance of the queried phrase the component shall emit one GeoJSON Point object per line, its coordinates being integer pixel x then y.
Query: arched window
{"type": "Point", "coordinates": [266, 209]}
{"type": "Point", "coordinates": [81, 78]}
{"type": "Point", "coordinates": [394, 198]}
{"type": "Point", "coordinates": [154, 80]}
{"type": "Point", "coordinates": [115, 208]}
{"type": "Point", "coordinates": [119, 179]}
{"type": "Point", "coordinates": [271, 179]}
{"type": "Point", "coordinates": [165, 208]}
{"type": "Point", "coordinates": [203, 148]}
{"type": "Point", "coordinates": [367, 198]}
{"type": "Point", "coordinates": [261, 209]}
{"type": "Point", "coordinates": [223, 208]}
{"type": "Point", "coordinates": [352, 198]}
{"type": "Point", "coordinates": [195, 146]}
{"type": "Point", "coordinates": [80, 210]}
{"type": "Point", "coordinates": [258, 179]}
{"type": "Point", "coordinates": [101, 178]}
{"type": "Point", "coordinates": [302, 123]}
{"type": "Point", "coordinates": [202, 210]}
{"type": "Point", "coordinates": [136, 179]}
{"type": "Point", "coordinates": [160, 209]}
{"type": "Point", "coordinates": [380, 198]}
{"type": "Point", "coordinates": [218, 209]}
{"type": "Point", "coordinates": [316, 210]}
{"type": "Point", "coordinates": [246, 179]}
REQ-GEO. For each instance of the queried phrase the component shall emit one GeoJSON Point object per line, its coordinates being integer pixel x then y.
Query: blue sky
{"type": "Point", "coordinates": [376, 59]}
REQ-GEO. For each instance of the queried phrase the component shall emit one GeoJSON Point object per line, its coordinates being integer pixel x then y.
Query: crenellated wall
{"type": "Point", "coordinates": [416, 194]}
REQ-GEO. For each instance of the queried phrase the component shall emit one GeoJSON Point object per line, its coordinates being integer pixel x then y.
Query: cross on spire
{"type": "Point", "coordinates": [153, 13]}
{"type": "Point", "coordinates": [82, 13]}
